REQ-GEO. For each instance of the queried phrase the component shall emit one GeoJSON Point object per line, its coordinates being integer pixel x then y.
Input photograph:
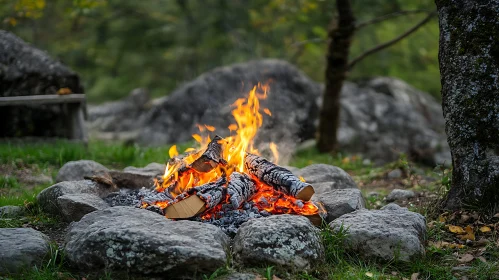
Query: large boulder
{"type": "Point", "coordinates": [374, 114]}
{"type": "Point", "coordinates": [392, 233]}
{"type": "Point", "coordinates": [326, 177]}
{"type": "Point", "coordinates": [21, 248]}
{"type": "Point", "coordinates": [288, 241]}
{"type": "Point", "coordinates": [132, 240]}
{"type": "Point", "coordinates": [26, 70]}
{"type": "Point", "coordinates": [207, 99]}
{"type": "Point", "coordinates": [152, 169]}
{"type": "Point", "coordinates": [78, 170]}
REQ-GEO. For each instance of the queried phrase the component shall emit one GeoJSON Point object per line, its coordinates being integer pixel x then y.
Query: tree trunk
{"type": "Point", "coordinates": [469, 68]}
{"type": "Point", "coordinates": [340, 36]}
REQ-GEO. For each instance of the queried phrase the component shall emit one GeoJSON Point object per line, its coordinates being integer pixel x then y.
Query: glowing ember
{"type": "Point", "coordinates": [180, 177]}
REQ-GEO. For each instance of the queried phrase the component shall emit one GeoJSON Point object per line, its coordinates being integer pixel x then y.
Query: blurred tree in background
{"type": "Point", "coordinates": [118, 45]}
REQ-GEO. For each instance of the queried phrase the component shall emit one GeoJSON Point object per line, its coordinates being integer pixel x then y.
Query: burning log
{"type": "Point", "coordinates": [278, 177]}
{"type": "Point", "coordinates": [211, 157]}
{"type": "Point", "coordinates": [201, 198]}
{"type": "Point", "coordinates": [240, 189]}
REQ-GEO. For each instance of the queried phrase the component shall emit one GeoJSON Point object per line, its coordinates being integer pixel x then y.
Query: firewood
{"type": "Point", "coordinates": [211, 157]}
{"type": "Point", "coordinates": [201, 198]}
{"type": "Point", "coordinates": [240, 189]}
{"type": "Point", "coordinates": [211, 193]}
{"type": "Point", "coordinates": [278, 177]}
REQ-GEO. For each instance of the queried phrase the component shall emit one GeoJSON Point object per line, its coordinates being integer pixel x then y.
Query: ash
{"type": "Point", "coordinates": [227, 218]}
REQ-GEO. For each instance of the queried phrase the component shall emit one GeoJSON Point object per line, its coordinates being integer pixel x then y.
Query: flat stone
{"type": "Point", "coordinates": [11, 211]}
{"type": "Point", "coordinates": [75, 206]}
{"type": "Point", "coordinates": [21, 248]}
{"type": "Point", "coordinates": [133, 240]}
{"type": "Point", "coordinates": [398, 194]}
{"type": "Point", "coordinates": [393, 233]}
{"type": "Point", "coordinates": [152, 169]}
{"type": "Point", "coordinates": [326, 177]}
{"type": "Point", "coordinates": [48, 197]}
{"type": "Point", "coordinates": [77, 170]}
{"type": "Point", "coordinates": [340, 202]}
{"type": "Point", "coordinates": [288, 241]}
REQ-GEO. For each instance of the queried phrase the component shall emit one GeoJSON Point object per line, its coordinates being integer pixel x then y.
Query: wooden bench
{"type": "Point", "coordinates": [73, 105]}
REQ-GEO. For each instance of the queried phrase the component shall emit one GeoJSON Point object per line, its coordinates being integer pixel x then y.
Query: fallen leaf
{"type": "Point", "coordinates": [485, 229]}
{"type": "Point", "coordinates": [456, 229]}
{"type": "Point", "coordinates": [439, 244]}
{"type": "Point", "coordinates": [415, 276]}
{"type": "Point", "coordinates": [465, 258]}
{"type": "Point", "coordinates": [369, 274]}
{"type": "Point", "coordinates": [469, 234]}
{"type": "Point", "coordinates": [442, 219]}
{"type": "Point", "coordinates": [454, 245]}
{"type": "Point", "coordinates": [275, 278]}
{"type": "Point", "coordinates": [496, 215]}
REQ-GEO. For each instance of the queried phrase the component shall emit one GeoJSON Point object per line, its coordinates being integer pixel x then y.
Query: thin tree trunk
{"type": "Point", "coordinates": [469, 68]}
{"type": "Point", "coordinates": [340, 36]}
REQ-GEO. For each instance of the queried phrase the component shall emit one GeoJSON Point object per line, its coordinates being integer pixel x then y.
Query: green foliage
{"type": "Point", "coordinates": [8, 182]}
{"type": "Point", "coordinates": [118, 45]}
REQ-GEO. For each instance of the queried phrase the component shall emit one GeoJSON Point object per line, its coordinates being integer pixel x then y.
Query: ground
{"type": "Point", "coordinates": [460, 245]}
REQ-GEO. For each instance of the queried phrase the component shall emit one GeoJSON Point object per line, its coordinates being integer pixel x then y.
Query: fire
{"type": "Point", "coordinates": [178, 178]}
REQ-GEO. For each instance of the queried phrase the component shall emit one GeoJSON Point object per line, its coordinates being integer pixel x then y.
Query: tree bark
{"type": "Point", "coordinates": [469, 68]}
{"type": "Point", "coordinates": [340, 36]}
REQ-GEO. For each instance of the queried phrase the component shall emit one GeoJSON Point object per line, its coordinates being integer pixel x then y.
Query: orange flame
{"type": "Point", "coordinates": [248, 119]}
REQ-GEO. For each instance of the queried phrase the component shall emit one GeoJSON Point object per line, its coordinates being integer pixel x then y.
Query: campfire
{"type": "Point", "coordinates": [226, 181]}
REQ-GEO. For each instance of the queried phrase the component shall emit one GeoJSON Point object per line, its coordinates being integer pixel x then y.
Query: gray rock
{"type": "Point", "coordinates": [326, 177]}
{"type": "Point", "coordinates": [388, 234]}
{"type": "Point", "coordinates": [394, 174]}
{"type": "Point", "coordinates": [288, 241]}
{"type": "Point", "coordinates": [375, 111]}
{"type": "Point", "coordinates": [10, 211]}
{"type": "Point", "coordinates": [21, 248]}
{"type": "Point", "coordinates": [242, 276]}
{"type": "Point", "coordinates": [340, 202]}
{"type": "Point", "coordinates": [135, 240]}
{"type": "Point", "coordinates": [75, 206]}
{"type": "Point", "coordinates": [26, 70]}
{"type": "Point", "coordinates": [48, 197]}
{"type": "Point", "coordinates": [119, 118]}
{"type": "Point", "coordinates": [398, 194]}
{"type": "Point", "coordinates": [152, 169]}
{"type": "Point", "coordinates": [77, 170]}
{"type": "Point", "coordinates": [37, 179]}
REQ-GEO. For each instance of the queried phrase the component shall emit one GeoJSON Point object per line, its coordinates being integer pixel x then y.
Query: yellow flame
{"type": "Point", "coordinates": [173, 151]}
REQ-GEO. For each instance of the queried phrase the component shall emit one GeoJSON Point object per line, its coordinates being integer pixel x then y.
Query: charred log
{"type": "Point", "coordinates": [211, 157]}
{"type": "Point", "coordinates": [240, 189]}
{"type": "Point", "coordinates": [278, 177]}
{"type": "Point", "coordinates": [211, 193]}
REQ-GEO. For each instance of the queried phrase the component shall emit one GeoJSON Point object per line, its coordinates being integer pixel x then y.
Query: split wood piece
{"type": "Point", "coordinates": [240, 189]}
{"type": "Point", "coordinates": [206, 196]}
{"type": "Point", "coordinates": [315, 219]}
{"type": "Point", "coordinates": [278, 177]}
{"type": "Point", "coordinates": [123, 180]}
{"type": "Point", "coordinates": [211, 157]}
